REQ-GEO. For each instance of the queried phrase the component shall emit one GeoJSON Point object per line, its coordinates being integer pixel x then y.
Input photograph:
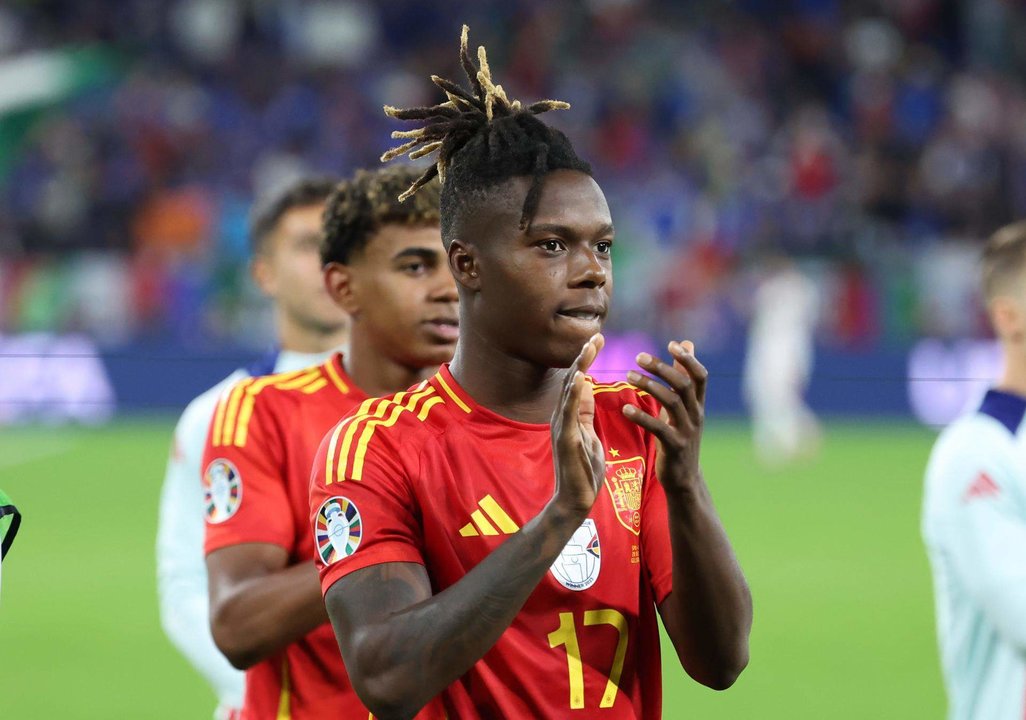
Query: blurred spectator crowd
{"type": "Point", "coordinates": [878, 142]}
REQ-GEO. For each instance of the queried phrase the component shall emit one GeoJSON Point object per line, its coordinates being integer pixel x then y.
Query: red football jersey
{"type": "Point", "coordinates": [257, 463]}
{"type": "Point", "coordinates": [431, 477]}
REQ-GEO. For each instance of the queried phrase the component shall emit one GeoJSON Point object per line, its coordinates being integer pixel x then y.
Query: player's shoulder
{"type": "Point", "coordinates": [393, 427]}
{"type": "Point", "coordinates": [195, 419]}
{"type": "Point", "coordinates": [982, 439]}
{"type": "Point", "coordinates": [993, 427]}
{"type": "Point", "coordinates": [287, 386]}
{"type": "Point", "coordinates": [408, 413]}
{"type": "Point", "coordinates": [280, 389]}
{"type": "Point", "coordinates": [257, 400]}
{"type": "Point", "coordinates": [978, 457]}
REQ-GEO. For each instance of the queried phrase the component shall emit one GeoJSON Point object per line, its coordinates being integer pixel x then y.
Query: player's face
{"type": "Point", "coordinates": [542, 292]}
{"type": "Point", "coordinates": [404, 297]}
{"type": "Point", "coordinates": [290, 272]}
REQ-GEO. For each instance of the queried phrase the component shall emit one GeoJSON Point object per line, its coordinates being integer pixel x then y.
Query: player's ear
{"type": "Point", "coordinates": [1008, 318]}
{"type": "Point", "coordinates": [261, 269]}
{"type": "Point", "coordinates": [338, 280]}
{"type": "Point", "coordinates": [463, 263]}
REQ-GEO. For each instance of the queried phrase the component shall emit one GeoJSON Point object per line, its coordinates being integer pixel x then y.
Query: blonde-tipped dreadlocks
{"type": "Point", "coordinates": [482, 138]}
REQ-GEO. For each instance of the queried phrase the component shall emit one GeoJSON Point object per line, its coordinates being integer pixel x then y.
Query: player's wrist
{"type": "Point", "coordinates": [566, 509]}
{"type": "Point", "coordinates": [685, 490]}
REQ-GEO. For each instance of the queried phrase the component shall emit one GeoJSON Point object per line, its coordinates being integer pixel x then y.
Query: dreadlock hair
{"type": "Point", "coordinates": [269, 212]}
{"type": "Point", "coordinates": [482, 139]}
{"type": "Point", "coordinates": [357, 209]}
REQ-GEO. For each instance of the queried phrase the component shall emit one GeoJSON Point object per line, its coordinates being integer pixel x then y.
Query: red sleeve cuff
{"type": "Point", "coordinates": [661, 587]}
{"type": "Point", "coordinates": [371, 556]}
{"type": "Point", "coordinates": [229, 539]}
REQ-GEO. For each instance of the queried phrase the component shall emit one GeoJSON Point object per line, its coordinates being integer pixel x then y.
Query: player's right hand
{"type": "Point", "coordinates": [577, 452]}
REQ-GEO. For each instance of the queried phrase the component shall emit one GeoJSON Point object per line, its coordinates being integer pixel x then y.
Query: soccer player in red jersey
{"type": "Point", "coordinates": [504, 534]}
{"type": "Point", "coordinates": [385, 266]}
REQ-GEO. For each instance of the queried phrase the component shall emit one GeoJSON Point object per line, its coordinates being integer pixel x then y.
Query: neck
{"type": "Point", "coordinates": [1014, 377]}
{"type": "Point", "coordinates": [510, 386]}
{"type": "Point", "coordinates": [297, 338]}
{"type": "Point", "coordinates": [377, 374]}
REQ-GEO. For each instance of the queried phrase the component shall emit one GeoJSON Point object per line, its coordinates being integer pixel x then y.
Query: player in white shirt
{"type": "Point", "coordinates": [286, 266]}
{"type": "Point", "coordinates": [974, 515]}
{"type": "Point", "coordinates": [778, 363]}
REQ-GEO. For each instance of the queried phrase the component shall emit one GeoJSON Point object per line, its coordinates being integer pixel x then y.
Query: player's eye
{"type": "Point", "coordinates": [604, 247]}
{"type": "Point", "coordinates": [414, 268]}
{"type": "Point", "coordinates": [551, 245]}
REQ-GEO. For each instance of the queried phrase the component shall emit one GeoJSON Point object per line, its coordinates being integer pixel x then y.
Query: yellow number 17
{"type": "Point", "coordinates": [566, 634]}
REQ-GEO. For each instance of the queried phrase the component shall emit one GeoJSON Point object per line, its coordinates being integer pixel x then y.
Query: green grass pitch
{"type": "Point", "coordinates": [843, 606]}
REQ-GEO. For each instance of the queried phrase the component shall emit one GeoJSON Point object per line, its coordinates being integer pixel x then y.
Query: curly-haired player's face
{"type": "Point", "coordinates": [399, 289]}
{"type": "Point", "coordinates": [540, 293]}
{"type": "Point", "coordinates": [289, 271]}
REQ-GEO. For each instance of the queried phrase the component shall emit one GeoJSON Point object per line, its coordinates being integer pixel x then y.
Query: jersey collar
{"type": "Point", "coordinates": [278, 361]}
{"type": "Point", "coordinates": [1007, 408]}
{"type": "Point", "coordinates": [461, 404]}
{"type": "Point", "coordinates": [335, 369]}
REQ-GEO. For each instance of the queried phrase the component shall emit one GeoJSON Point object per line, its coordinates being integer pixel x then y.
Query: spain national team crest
{"type": "Point", "coordinates": [577, 567]}
{"type": "Point", "coordinates": [338, 529]}
{"type": "Point", "coordinates": [623, 481]}
{"type": "Point", "coordinates": [222, 491]}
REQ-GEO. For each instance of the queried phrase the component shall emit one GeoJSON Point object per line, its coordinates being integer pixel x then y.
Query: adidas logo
{"type": "Point", "coordinates": [489, 519]}
{"type": "Point", "coordinates": [983, 486]}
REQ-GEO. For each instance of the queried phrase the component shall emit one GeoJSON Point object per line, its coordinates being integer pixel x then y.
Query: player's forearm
{"type": "Point", "coordinates": [399, 664]}
{"type": "Point", "coordinates": [708, 615]}
{"type": "Point", "coordinates": [257, 616]}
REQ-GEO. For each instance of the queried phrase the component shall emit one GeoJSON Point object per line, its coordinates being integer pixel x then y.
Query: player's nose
{"type": "Point", "coordinates": [587, 270]}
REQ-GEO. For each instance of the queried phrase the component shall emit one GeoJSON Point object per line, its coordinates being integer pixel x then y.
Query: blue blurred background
{"type": "Point", "coordinates": [877, 142]}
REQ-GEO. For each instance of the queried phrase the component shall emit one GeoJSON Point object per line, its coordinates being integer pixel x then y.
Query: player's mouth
{"type": "Point", "coordinates": [446, 329]}
{"type": "Point", "coordinates": [583, 315]}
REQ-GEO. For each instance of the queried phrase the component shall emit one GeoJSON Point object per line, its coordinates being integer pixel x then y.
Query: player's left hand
{"type": "Point", "coordinates": [682, 416]}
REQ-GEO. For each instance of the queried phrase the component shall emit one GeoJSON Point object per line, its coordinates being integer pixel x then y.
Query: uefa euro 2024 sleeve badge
{"type": "Point", "coordinates": [338, 529]}
{"type": "Point", "coordinates": [578, 565]}
{"type": "Point", "coordinates": [222, 490]}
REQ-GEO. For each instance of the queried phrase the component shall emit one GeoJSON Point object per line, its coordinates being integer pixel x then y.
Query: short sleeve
{"type": "Point", "coordinates": [244, 474]}
{"type": "Point", "coordinates": [656, 553]}
{"type": "Point", "coordinates": [363, 510]}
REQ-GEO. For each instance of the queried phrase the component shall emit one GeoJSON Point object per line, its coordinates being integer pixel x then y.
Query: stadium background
{"type": "Point", "coordinates": [877, 142]}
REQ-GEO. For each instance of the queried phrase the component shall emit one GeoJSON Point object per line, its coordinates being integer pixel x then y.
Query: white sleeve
{"type": "Point", "coordinates": [181, 566]}
{"type": "Point", "coordinates": [984, 533]}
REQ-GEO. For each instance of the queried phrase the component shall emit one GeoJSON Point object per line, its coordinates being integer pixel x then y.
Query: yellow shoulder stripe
{"type": "Point", "coordinates": [294, 383]}
{"type": "Point", "coordinates": [227, 411]}
{"type": "Point", "coordinates": [332, 444]}
{"type": "Point", "coordinates": [231, 422]}
{"type": "Point", "coordinates": [283, 381]}
{"type": "Point", "coordinates": [219, 416]}
{"type": "Point", "coordinates": [372, 425]}
{"type": "Point", "coordinates": [426, 407]}
{"type": "Point", "coordinates": [347, 439]}
{"type": "Point", "coordinates": [361, 427]}
{"type": "Point", "coordinates": [333, 455]}
{"type": "Point", "coordinates": [315, 386]}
